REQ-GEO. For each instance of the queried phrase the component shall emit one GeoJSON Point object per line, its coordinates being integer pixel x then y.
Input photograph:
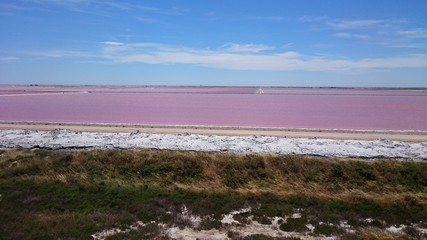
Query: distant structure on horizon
{"type": "Point", "coordinates": [259, 91]}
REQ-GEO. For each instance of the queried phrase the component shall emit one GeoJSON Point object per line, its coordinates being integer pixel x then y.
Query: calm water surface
{"type": "Point", "coordinates": [215, 106]}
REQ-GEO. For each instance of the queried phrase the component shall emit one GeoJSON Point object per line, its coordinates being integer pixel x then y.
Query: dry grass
{"type": "Point", "coordinates": [57, 188]}
{"type": "Point", "coordinates": [379, 234]}
{"type": "Point", "coordinates": [327, 178]}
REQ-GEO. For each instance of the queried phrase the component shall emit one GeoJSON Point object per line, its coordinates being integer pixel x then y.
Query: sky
{"type": "Point", "coordinates": [331, 43]}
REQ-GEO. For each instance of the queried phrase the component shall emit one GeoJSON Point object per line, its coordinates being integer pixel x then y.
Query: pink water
{"type": "Point", "coordinates": [215, 106]}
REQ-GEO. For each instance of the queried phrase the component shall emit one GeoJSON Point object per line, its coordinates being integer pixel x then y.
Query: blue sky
{"type": "Point", "coordinates": [214, 42]}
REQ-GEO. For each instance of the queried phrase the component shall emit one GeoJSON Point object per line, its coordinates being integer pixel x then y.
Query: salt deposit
{"type": "Point", "coordinates": [65, 139]}
{"type": "Point", "coordinates": [230, 226]}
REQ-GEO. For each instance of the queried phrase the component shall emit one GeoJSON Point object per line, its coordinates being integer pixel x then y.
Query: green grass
{"type": "Point", "coordinates": [73, 194]}
{"type": "Point", "coordinates": [294, 224]}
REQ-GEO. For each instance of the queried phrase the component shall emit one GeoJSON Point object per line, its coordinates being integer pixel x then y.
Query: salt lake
{"type": "Point", "coordinates": [313, 108]}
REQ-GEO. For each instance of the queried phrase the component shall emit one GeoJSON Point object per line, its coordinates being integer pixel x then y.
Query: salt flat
{"type": "Point", "coordinates": [338, 134]}
{"type": "Point", "coordinates": [291, 108]}
{"type": "Point", "coordinates": [66, 139]}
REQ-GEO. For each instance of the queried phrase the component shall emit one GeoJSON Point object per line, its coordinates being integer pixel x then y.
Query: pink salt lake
{"type": "Point", "coordinates": [314, 108]}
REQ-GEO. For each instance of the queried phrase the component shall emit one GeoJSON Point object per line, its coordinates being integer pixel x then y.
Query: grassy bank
{"type": "Point", "coordinates": [74, 194]}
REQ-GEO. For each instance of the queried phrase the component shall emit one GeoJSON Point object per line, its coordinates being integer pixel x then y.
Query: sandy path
{"type": "Point", "coordinates": [227, 131]}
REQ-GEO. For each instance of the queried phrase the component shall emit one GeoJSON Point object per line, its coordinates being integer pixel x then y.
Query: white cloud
{"type": "Point", "coordinates": [13, 7]}
{"type": "Point", "coordinates": [414, 33]}
{"type": "Point", "coordinates": [240, 57]}
{"type": "Point", "coordinates": [395, 33]}
{"type": "Point", "coordinates": [350, 35]}
{"type": "Point", "coordinates": [116, 4]}
{"type": "Point", "coordinates": [357, 24]}
{"type": "Point", "coordinates": [148, 9]}
{"type": "Point", "coordinates": [309, 19]}
{"type": "Point", "coordinates": [253, 60]}
{"type": "Point", "coordinates": [72, 4]}
{"type": "Point", "coordinates": [55, 53]}
{"type": "Point", "coordinates": [235, 47]}
{"type": "Point", "coordinates": [8, 59]}
{"type": "Point", "coordinates": [113, 43]}
{"type": "Point", "coordinates": [6, 7]}
{"type": "Point", "coordinates": [216, 59]}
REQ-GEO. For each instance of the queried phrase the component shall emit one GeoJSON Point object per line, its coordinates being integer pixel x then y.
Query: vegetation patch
{"type": "Point", "coordinates": [74, 194]}
{"type": "Point", "coordinates": [294, 225]}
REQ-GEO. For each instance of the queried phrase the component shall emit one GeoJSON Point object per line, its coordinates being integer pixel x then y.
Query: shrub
{"type": "Point", "coordinates": [294, 225]}
{"type": "Point", "coordinates": [238, 172]}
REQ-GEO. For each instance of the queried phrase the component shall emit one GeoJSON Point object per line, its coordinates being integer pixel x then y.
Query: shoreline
{"type": "Point", "coordinates": [337, 134]}
{"type": "Point", "coordinates": [210, 86]}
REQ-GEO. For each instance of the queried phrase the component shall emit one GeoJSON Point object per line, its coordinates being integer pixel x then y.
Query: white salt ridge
{"type": "Point", "coordinates": [186, 215]}
{"type": "Point", "coordinates": [400, 228]}
{"type": "Point", "coordinates": [228, 218]}
{"type": "Point", "coordinates": [254, 227]}
{"type": "Point", "coordinates": [110, 232]}
{"type": "Point", "coordinates": [190, 233]}
{"type": "Point", "coordinates": [243, 230]}
{"type": "Point", "coordinates": [64, 139]}
{"type": "Point", "coordinates": [396, 229]}
{"type": "Point", "coordinates": [346, 227]}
